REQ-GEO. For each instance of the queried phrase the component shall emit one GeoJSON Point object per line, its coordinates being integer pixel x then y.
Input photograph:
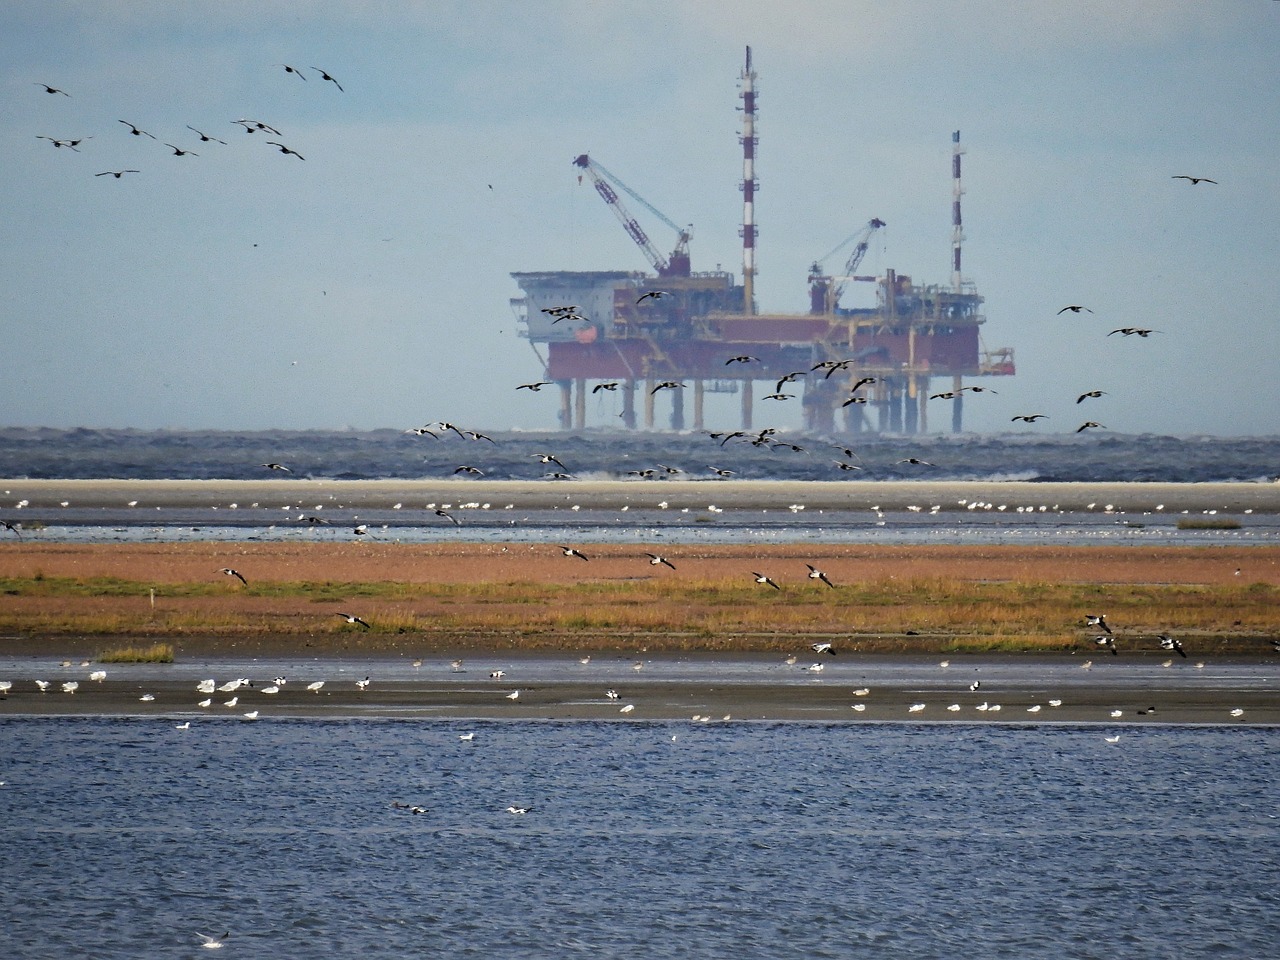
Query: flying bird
{"type": "Point", "coordinates": [179, 152]}
{"type": "Point", "coordinates": [535, 387]}
{"type": "Point", "coordinates": [277, 466]}
{"type": "Point", "coordinates": [1092, 393]}
{"type": "Point", "coordinates": [778, 396]}
{"type": "Point", "coordinates": [1109, 642]}
{"type": "Point", "coordinates": [286, 150]}
{"type": "Point", "coordinates": [235, 573]}
{"type": "Point", "coordinates": [1029, 417]}
{"type": "Point", "coordinates": [655, 294]}
{"type": "Point", "coordinates": [69, 144]}
{"type": "Point", "coordinates": [1170, 643]}
{"type": "Point", "coordinates": [611, 385]}
{"type": "Point", "coordinates": [1143, 332]}
{"type": "Point", "coordinates": [137, 131]}
{"type": "Point", "coordinates": [823, 648]}
{"type": "Point", "coordinates": [1097, 620]}
{"type": "Point", "coordinates": [916, 461]}
{"type": "Point", "coordinates": [655, 560]}
{"type": "Point", "coordinates": [325, 76]}
{"type": "Point", "coordinates": [204, 137]}
{"type": "Point", "coordinates": [571, 552]}
{"type": "Point", "coordinates": [351, 618]}
{"type": "Point", "coordinates": [294, 70]}
{"type": "Point", "coordinates": [253, 126]}
{"type": "Point", "coordinates": [445, 515]}
{"type": "Point", "coordinates": [1087, 424]}
{"type": "Point", "coordinates": [213, 943]}
{"type": "Point", "coordinates": [548, 458]}
{"type": "Point", "coordinates": [115, 173]}
{"type": "Point", "coordinates": [665, 385]}
{"type": "Point", "coordinates": [1074, 308]}
{"type": "Point", "coordinates": [1194, 180]}
{"type": "Point", "coordinates": [469, 470]}
{"type": "Point", "coordinates": [761, 578]}
{"type": "Point", "coordinates": [816, 574]}
{"type": "Point", "coordinates": [742, 359]}
{"type": "Point", "coordinates": [49, 89]}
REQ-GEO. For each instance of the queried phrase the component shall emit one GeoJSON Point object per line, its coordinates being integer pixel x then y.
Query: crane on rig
{"type": "Point", "coordinates": [677, 265]}
{"type": "Point", "coordinates": [825, 291]}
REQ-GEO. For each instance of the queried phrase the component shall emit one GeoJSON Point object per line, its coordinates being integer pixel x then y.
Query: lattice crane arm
{"type": "Point", "coordinates": [602, 179]}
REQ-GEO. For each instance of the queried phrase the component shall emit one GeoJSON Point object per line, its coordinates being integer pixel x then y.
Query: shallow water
{"type": "Point", "coordinates": [124, 837]}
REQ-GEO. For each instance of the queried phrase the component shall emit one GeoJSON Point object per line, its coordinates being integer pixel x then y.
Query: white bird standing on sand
{"type": "Point", "coordinates": [232, 702]}
{"type": "Point", "coordinates": [513, 695]}
{"type": "Point", "coordinates": [205, 686]}
{"type": "Point", "coordinates": [98, 675]}
{"type": "Point", "coordinates": [363, 684]}
{"type": "Point", "coordinates": [315, 686]}
{"type": "Point", "coordinates": [208, 702]}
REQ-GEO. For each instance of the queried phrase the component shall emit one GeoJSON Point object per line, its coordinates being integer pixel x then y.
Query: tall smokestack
{"type": "Point", "coordinates": [749, 185]}
{"type": "Point", "coordinates": [957, 227]}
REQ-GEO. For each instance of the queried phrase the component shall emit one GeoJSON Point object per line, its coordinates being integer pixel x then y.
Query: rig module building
{"type": "Point", "coordinates": [871, 369]}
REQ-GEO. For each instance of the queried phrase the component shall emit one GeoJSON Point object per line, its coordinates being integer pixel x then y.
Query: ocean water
{"type": "Point", "coordinates": [378, 454]}
{"type": "Point", "coordinates": [124, 837]}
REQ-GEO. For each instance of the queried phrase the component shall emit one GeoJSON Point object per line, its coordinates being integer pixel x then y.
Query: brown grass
{"type": "Point", "coordinates": [443, 595]}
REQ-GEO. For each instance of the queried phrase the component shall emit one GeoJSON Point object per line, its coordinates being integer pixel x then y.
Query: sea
{"type": "Point", "coordinates": [355, 836]}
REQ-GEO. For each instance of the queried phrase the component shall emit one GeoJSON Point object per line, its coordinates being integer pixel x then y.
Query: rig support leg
{"type": "Point", "coordinates": [648, 403]}
{"type": "Point", "coordinates": [580, 404]}
{"type": "Point", "coordinates": [746, 403]}
{"type": "Point", "coordinates": [677, 409]}
{"type": "Point", "coordinates": [629, 404]}
{"type": "Point", "coordinates": [698, 396]}
{"type": "Point", "coordinates": [957, 407]}
{"type": "Point", "coordinates": [566, 404]}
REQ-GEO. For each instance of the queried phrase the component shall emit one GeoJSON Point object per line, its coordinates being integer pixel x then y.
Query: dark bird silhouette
{"type": "Point", "coordinates": [137, 131]}
{"type": "Point", "coordinates": [854, 400]}
{"type": "Point", "coordinates": [789, 378]}
{"type": "Point", "coordinates": [655, 560]}
{"type": "Point", "coordinates": [571, 552]}
{"type": "Point", "coordinates": [253, 126]}
{"type": "Point", "coordinates": [472, 435]}
{"type": "Point", "coordinates": [445, 515]}
{"type": "Point", "coordinates": [179, 152]}
{"type": "Point", "coordinates": [286, 150]}
{"type": "Point", "coordinates": [352, 618]}
{"type": "Point", "coordinates": [204, 137]}
{"type": "Point", "coordinates": [469, 470]}
{"type": "Point", "coordinates": [611, 385]}
{"type": "Point", "coordinates": [294, 70]}
{"type": "Point", "coordinates": [548, 458]}
{"type": "Point", "coordinates": [655, 294]}
{"type": "Point", "coordinates": [325, 76]}
{"type": "Point", "coordinates": [12, 527]}
{"type": "Point", "coordinates": [761, 578]}
{"type": "Point", "coordinates": [235, 573]}
{"type": "Point", "coordinates": [917, 462]}
{"type": "Point", "coordinates": [1109, 642]}
{"type": "Point", "coordinates": [277, 466]}
{"type": "Point", "coordinates": [115, 173]}
{"type": "Point", "coordinates": [69, 144]}
{"type": "Point", "coordinates": [845, 465]}
{"type": "Point", "coordinates": [1131, 331]}
{"type": "Point", "coordinates": [1089, 424]}
{"type": "Point", "coordinates": [1194, 180]}
{"type": "Point", "coordinates": [725, 474]}
{"type": "Point", "coordinates": [816, 574]}
{"type": "Point", "coordinates": [1095, 394]}
{"type": "Point", "coordinates": [948, 395]}
{"type": "Point", "coordinates": [1074, 308]}
{"type": "Point", "coordinates": [863, 382]}
{"type": "Point", "coordinates": [49, 89]}
{"type": "Point", "coordinates": [666, 385]}
{"type": "Point", "coordinates": [1029, 417]}
{"type": "Point", "coordinates": [535, 387]}
{"type": "Point", "coordinates": [742, 359]}
{"type": "Point", "coordinates": [778, 396]}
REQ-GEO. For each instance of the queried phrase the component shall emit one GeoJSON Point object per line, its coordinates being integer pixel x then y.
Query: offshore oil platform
{"type": "Point", "coordinates": [675, 328]}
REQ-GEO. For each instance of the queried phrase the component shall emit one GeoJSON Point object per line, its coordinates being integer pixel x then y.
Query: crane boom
{"type": "Point", "coordinates": [678, 264]}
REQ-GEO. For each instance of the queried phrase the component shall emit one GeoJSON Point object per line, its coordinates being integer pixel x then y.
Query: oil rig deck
{"type": "Point", "coordinates": [677, 332]}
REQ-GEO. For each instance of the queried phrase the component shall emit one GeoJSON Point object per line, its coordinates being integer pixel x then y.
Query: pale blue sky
{"type": "Point", "coordinates": [368, 286]}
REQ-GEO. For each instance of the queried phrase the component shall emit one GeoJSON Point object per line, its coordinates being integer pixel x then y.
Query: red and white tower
{"type": "Point", "coordinates": [749, 185]}
{"type": "Point", "coordinates": [957, 229]}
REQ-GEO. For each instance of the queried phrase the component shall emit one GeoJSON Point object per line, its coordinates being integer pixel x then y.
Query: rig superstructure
{"type": "Point", "coordinates": [871, 367]}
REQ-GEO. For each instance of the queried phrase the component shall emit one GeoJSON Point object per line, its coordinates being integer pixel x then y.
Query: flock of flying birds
{"type": "Point", "coordinates": [249, 126]}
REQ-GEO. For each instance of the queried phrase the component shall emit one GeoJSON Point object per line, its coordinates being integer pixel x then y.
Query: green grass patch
{"type": "Point", "coordinates": [155, 653]}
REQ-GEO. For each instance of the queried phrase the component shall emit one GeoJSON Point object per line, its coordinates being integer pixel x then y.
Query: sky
{"type": "Point", "coordinates": [369, 285]}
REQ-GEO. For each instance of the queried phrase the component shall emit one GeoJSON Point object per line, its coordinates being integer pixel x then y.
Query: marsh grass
{"type": "Point", "coordinates": [942, 613]}
{"type": "Point", "coordinates": [155, 653]}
